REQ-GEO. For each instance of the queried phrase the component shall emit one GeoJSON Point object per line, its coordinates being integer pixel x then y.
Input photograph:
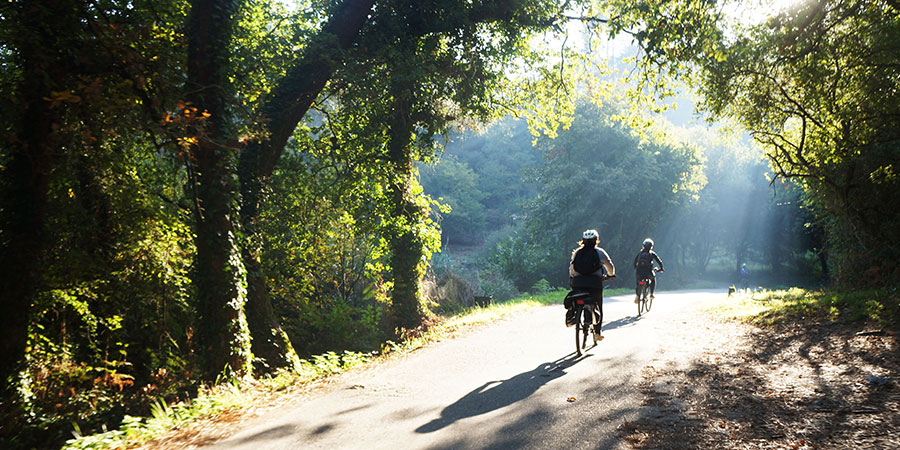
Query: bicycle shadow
{"type": "Point", "coordinates": [494, 395]}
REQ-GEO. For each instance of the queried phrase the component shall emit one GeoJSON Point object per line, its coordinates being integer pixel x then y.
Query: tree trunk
{"type": "Point", "coordinates": [272, 348]}
{"type": "Point", "coordinates": [289, 102]}
{"type": "Point", "coordinates": [220, 278]}
{"type": "Point", "coordinates": [405, 245]}
{"type": "Point", "coordinates": [26, 177]}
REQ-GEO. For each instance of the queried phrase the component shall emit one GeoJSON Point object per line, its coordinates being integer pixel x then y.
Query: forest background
{"type": "Point", "coordinates": [194, 192]}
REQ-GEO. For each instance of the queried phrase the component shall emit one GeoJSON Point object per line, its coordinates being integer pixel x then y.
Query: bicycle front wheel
{"type": "Point", "coordinates": [649, 303]}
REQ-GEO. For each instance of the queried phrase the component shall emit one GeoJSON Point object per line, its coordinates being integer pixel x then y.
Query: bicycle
{"type": "Point", "coordinates": [584, 318]}
{"type": "Point", "coordinates": [645, 301]}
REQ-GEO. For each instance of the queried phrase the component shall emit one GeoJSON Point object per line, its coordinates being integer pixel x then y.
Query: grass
{"type": "Point", "coordinates": [766, 307]}
{"type": "Point", "coordinates": [237, 394]}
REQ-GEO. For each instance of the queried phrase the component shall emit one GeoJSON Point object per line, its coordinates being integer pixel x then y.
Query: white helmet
{"type": "Point", "coordinates": [648, 243]}
{"type": "Point", "coordinates": [590, 234]}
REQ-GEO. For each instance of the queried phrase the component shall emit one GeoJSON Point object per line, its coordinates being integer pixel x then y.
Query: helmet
{"type": "Point", "coordinates": [590, 234]}
{"type": "Point", "coordinates": [648, 243]}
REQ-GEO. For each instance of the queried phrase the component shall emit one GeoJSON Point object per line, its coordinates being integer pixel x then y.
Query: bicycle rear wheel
{"type": "Point", "coordinates": [579, 309]}
{"type": "Point", "coordinates": [588, 316]}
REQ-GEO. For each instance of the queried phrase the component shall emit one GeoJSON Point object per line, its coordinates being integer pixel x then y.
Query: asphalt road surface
{"type": "Point", "coordinates": [503, 386]}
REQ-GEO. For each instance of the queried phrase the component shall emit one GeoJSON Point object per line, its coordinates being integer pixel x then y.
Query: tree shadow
{"type": "Point", "coordinates": [494, 395]}
{"type": "Point", "coordinates": [740, 400]}
{"type": "Point", "coordinates": [270, 434]}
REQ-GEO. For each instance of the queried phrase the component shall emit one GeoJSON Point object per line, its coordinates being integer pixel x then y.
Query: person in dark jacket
{"type": "Point", "coordinates": [643, 268]}
{"type": "Point", "coordinates": [593, 282]}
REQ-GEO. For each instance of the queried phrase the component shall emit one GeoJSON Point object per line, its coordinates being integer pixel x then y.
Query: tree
{"type": "Point", "coordinates": [221, 276]}
{"type": "Point", "coordinates": [815, 85]}
{"type": "Point", "coordinates": [32, 137]}
{"type": "Point", "coordinates": [281, 111]}
{"type": "Point", "coordinates": [457, 186]}
{"type": "Point", "coordinates": [81, 139]}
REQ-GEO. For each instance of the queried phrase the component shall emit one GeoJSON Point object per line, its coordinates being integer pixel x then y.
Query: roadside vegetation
{"type": "Point", "coordinates": [778, 307]}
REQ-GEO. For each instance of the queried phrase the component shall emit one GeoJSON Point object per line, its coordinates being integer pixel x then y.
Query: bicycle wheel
{"type": "Point", "coordinates": [641, 299]}
{"type": "Point", "coordinates": [645, 298]}
{"type": "Point", "coordinates": [578, 325]}
{"type": "Point", "coordinates": [649, 303]}
{"type": "Point", "coordinates": [587, 316]}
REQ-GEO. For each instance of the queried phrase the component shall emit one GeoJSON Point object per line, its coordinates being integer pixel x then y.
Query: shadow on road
{"type": "Point", "coordinates": [271, 434]}
{"type": "Point", "coordinates": [619, 323]}
{"type": "Point", "coordinates": [494, 395]}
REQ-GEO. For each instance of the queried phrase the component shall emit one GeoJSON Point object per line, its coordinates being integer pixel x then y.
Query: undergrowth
{"type": "Point", "coordinates": [236, 394]}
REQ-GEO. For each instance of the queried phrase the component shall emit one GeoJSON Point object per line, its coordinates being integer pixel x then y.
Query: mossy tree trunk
{"type": "Point", "coordinates": [406, 246]}
{"type": "Point", "coordinates": [220, 278]}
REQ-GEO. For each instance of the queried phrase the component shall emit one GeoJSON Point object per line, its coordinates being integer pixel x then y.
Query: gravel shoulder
{"type": "Point", "coordinates": [801, 385]}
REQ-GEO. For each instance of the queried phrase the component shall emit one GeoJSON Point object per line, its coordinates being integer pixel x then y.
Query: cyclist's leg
{"type": "Point", "coordinates": [598, 296]}
{"type": "Point", "coordinates": [637, 286]}
{"type": "Point", "coordinates": [652, 283]}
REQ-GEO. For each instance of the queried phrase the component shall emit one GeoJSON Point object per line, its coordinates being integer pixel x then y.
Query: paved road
{"type": "Point", "coordinates": [504, 386]}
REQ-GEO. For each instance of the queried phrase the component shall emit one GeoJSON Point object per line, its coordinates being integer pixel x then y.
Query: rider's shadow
{"type": "Point", "coordinates": [619, 323]}
{"type": "Point", "coordinates": [497, 394]}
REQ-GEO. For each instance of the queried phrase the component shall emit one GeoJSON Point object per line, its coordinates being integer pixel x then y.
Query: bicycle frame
{"type": "Point", "coordinates": [584, 323]}
{"type": "Point", "coordinates": [644, 301]}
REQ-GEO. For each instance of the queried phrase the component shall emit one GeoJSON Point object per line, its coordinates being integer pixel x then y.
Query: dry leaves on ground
{"type": "Point", "coordinates": [797, 386]}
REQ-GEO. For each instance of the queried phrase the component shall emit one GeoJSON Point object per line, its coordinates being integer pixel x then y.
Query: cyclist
{"type": "Point", "coordinates": [745, 277]}
{"type": "Point", "coordinates": [587, 268]}
{"type": "Point", "coordinates": [643, 268]}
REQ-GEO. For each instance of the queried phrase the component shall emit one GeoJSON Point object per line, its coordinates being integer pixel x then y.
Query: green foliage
{"type": "Point", "coordinates": [541, 286]}
{"type": "Point", "coordinates": [459, 191]}
{"type": "Point", "coordinates": [491, 165]}
{"type": "Point", "coordinates": [599, 174]}
{"type": "Point", "coordinates": [163, 417]}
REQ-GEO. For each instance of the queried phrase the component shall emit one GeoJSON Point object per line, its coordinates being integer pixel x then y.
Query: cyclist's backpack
{"type": "Point", "coordinates": [645, 260]}
{"type": "Point", "coordinates": [586, 261]}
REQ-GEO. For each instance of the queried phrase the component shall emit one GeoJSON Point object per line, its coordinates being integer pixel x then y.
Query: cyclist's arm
{"type": "Point", "coordinates": [572, 264]}
{"type": "Point", "coordinates": [610, 268]}
{"type": "Point", "coordinates": [658, 261]}
{"type": "Point", "coordinates": [607, 263]}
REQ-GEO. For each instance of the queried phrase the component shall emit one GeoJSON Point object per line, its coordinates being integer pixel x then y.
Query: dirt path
{"type": "Point", "coordinates": [797, 386]}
